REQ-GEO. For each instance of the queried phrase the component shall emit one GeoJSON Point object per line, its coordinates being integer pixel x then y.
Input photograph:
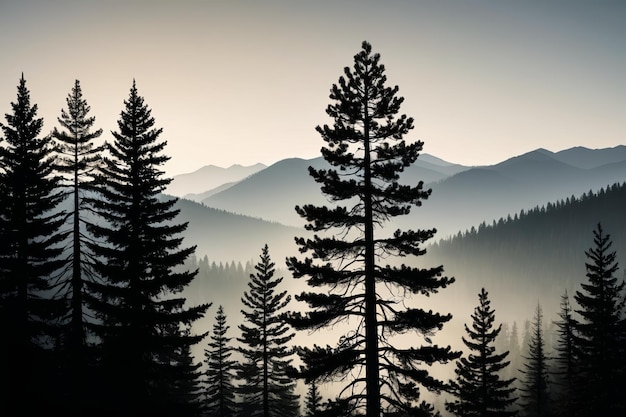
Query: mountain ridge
{"type": "Point", "coordinates": [484, 193]}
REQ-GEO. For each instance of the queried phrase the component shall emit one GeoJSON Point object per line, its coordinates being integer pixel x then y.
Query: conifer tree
{"type": "Point", "coordinates": [186, 390]}
{"type": "Point", "coordinates": [600, 331]}
{"type": "Point", "coordinates": [312, 401]}
{"type": "Point", "coordinates": [266, 390]}
{"type": "Point", "coordinates": [367, 153]}
{"type": "Point", "coordinates": [30, 236]}
{"type": "Point", "coordinates": [535, 401]}
{"type": "Point", "coordinates": [479, 389]}
{"type": "Point", "coordinates": [220, 390]}
{"type": "Point", "coordinates": [144, 323]}
{"type": "Point", "coordinates": [565, 369]}
{"type": "Point", "coordinates": [77, 160]}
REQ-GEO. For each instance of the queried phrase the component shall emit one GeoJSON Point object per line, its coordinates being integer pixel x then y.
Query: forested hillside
{"type": "Point", "coordinates": [536, 253]}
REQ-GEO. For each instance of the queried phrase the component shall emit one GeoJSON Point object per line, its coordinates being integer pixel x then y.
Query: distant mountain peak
{"type": "Point", "coordinates": [209, 177]}
{"type": "Point", "coordinates": [426, 157]}
{"type": "Point", "coordinates": [538, 155]}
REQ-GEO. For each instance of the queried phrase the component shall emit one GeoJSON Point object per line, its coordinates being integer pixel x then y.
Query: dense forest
{"type": "Point", "coordinates": [101, 300]}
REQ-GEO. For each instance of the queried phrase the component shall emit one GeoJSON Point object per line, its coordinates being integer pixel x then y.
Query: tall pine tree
{"type": "Point", "coordinates": [30, 261]}
{"type": "Point", "coordinates": [600, 330]}
{"type": "Point", "coordinates": [78, 158]}
{"type": "Point", "coordinates": [220, 390]}
{"type": "Point", "coordinates": [367, 154]}
{"type": "Point", "coordinates": [144, 323]}
{"type": "Point", "coordinates": [535, 401]}
{"type": "Point", "coordinates": [267, 390]}
{"type": "Point", "coordinates": [479, 389]}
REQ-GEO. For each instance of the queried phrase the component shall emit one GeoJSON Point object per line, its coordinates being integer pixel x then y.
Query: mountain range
{"type": "Point", "coordinates": [462, 196]}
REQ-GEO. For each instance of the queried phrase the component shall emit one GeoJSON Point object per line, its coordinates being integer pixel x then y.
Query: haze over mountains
{"type": "Point", "coordinates": [462, 196]}
{"type": "Point", "coordinates": [522, 263]}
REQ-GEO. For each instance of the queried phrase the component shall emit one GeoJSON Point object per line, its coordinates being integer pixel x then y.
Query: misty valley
{"type": "Point", "coordinates": [374, 280]}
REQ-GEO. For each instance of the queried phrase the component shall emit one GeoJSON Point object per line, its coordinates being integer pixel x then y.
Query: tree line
{"type": "Point", "coordinates": [92, 270]}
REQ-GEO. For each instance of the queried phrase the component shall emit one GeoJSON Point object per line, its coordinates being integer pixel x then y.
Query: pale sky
{"type": "Point", "coordinates": [248, 81]}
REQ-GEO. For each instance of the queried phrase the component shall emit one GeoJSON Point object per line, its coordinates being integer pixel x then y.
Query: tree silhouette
{"type": "Point", "coordinates": [600, 332]}
{"type": "Point", "coordinates": [267, 390]}
{"type": "Point", "coordinates": [565, 369]}
{"type": "Point", "coordinates": [220, 391]}
{"type": "Point", "coordinates": [185, 391]}
{"type": "Point", "coordinates": [30, 250]}
{"type": "Point", "coordinates": [144, 323]}
{"type": "Point", "coordinates": [77, 160]}
{"type": "Point", "coordinates": [478, 387]}
{"type": "Point", "coordinates": [534, 388]}
{"type": "Point", "coordinates": [312, 401]}
{"type": "Point", "coordinates": [367, 154]}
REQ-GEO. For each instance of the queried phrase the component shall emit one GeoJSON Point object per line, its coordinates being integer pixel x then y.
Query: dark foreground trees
{"type": "Point", "coordinates": [600, 332]}
{"type": "Point", "coordinates": [365, 149]}
{"type": "Point", "coordinates": [144, 325]}
{"type": "Point", "coordinates": [29, 259]}
{"type": "Point", "coordinates": [266, 389]}
{"type": "Point", "coordinates": [479, 389]}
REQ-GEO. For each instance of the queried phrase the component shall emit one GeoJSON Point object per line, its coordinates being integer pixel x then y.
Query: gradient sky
{"type": "Point", "coordinates": [247, 81]}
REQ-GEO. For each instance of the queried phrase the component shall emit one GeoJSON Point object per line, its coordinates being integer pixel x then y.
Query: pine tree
{"type": "Point", "coordinates": [144, 323]}
{"type": "Point", "coordinates": [600, 330]}
{"type": "Point", "coordinates": [367, 155]}
{"type": "Point", "coordinates": [479, 389]}
{"type": "Point", "coordinates": [186, 390]}
{"type": "Point", "coordinates": [313, 401]}
{"type": "Point", "coordinates": [30, 236]}
{"type": "Point", "coordinates": [267, 390]}
{"type": "Point", "coordinates": [535, 383]}
{"type": "Point", "coordinates": [220, 391]}
{"type": "Point", "coordinates": [565, 369]}
{"type": "Point", "coordinates": [77, 160]}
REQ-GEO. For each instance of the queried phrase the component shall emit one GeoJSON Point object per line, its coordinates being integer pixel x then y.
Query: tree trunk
{"type": "Point", "coordinates": [371, 323]}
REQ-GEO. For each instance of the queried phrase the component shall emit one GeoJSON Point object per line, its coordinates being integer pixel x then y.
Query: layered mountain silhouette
{"type": "Point", "coordinates": [461, 196]}
{"type": "Point", "coordinates": [208, 178]}
{"type": "Point", "coordinates": [490, 192]}
{"type": "Point", "coordinates": [273, 193]}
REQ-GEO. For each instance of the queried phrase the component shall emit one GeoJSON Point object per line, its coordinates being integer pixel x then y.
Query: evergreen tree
{"type": "Point", "coordinates": [77, 160]}
{"type": "Point", "coordinates": [479, 389]}
{"type": "Point", "coordinates": [220, 391]}
{"type": "Point", "coordinates": [30, 236]}
{"type": "Point", "coordinates": [535, 383]}
{"type": "Point", "coordinates": [186, 390]}
{"type": "Point", "coordinates": [367, 155]}
{"type": "Point", "coordinates": [144, 322]}
{"type": "Point", "coordinates": [313, 401]}
{"type": "Point", "coordinates": [565, 369]}
{"type": "Point", "coordinates": [600, 331]}
{"type": "Point", "coordinates": [267, 390]}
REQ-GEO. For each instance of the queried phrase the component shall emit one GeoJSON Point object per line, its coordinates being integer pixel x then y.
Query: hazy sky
{"type": "Point", "coordinates": [247, 81]}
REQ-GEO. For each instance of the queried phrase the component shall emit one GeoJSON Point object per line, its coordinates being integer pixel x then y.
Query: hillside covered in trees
{"type": "Point", "coordinates": [537, 253]}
